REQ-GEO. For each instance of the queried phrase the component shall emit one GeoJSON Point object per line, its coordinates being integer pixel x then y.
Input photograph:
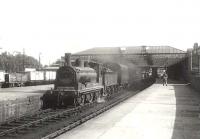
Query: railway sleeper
{"type": "Point", "coordinates": [44, 123]}
{"type": "Point", "coordinates": [27, 128]}
{"type": "Point", "coordinates": [13, 124]}
{"type": "Point", "coordinates": [17, 122]}
{"type": "Point", "coordinates": [39, 125]}
{"type": "Point", "coordinates": [65, 115]}
{"type": "Point", "coordinates": [14, 134]}
{"type": "Point", "coordinates": [22, 131]}
{"type": "Point", "coordinates": [27, 120]}
{"type": "Point", "coordinates": [52, 120]}
{"type": "Point", "coordinates": [57, 118]}
{"type": "Point", "coordinates": [33, 118]}
{"type": "Point", "coordinates": [62, 117]}
{"type": "Point", "coordinates": [35, 125]}
{"type": "Point", "coordinates": [5, 128]}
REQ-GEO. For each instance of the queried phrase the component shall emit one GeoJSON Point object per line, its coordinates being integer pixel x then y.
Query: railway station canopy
{"type": "Point", "coordinates": [155, 56]}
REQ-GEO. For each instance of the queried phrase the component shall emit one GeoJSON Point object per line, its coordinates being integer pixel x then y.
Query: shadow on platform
{"type": "Point", "coordinates": [187, 123]}
{"type": "Point", "coordinates": [187, 115]}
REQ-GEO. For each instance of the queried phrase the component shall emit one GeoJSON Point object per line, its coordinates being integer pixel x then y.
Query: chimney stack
{"type": "Point", "coordinates": [68, 59]}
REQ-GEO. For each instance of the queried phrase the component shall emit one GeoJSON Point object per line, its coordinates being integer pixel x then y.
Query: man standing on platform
{"type": "Point", "coordinates": [165, 76]}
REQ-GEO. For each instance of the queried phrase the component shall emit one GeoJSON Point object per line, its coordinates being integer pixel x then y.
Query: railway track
{"type": "Point", "coordinates": [86, 117]}
{"type": "Point", "coordinates": [38, 119]}
{"type": "Point", "coordinates": [74, 117]}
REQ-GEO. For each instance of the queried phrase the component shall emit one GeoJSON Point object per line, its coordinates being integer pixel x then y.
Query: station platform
{"type": "Point", "coordinates": [158, 112]}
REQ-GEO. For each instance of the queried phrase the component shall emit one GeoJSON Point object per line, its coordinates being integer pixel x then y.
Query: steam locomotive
{"type": "Point", "coordinates": [85, 82]}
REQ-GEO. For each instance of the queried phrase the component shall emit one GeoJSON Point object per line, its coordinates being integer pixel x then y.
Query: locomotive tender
{"type": "Point", "coordinates": [76, 85]}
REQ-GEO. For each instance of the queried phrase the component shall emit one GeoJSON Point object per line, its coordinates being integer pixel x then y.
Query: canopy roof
{"type": "Point", "coordinates": [158, 56]}
{"type": "Point", "coordinates": [130, 50]}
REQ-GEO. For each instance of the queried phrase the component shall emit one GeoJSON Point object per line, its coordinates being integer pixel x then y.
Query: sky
{"type": "Point", "coordinates": [53, 27]}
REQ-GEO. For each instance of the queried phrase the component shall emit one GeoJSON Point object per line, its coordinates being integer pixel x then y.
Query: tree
{"type": "Point", "coordinates": [17, 63]}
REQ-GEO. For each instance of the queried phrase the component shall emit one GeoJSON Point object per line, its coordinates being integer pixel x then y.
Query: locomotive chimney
{"type": "Point", "coordinates": [68, 59]}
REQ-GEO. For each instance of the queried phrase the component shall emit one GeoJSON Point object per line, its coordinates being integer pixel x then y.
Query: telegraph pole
{"type": "Point", "coordinates": [39, 60]}
{"type": "Point", "coordinates": [1, 60]}
{"type": "Point", "coordinates": [23, 60]}
{"type": "Point", "coordinates": [198, 57]}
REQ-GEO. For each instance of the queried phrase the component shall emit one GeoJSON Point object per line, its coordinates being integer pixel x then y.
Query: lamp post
{"type": "Point", "coordinates": [196, 53]}
{"type": "Point", "coordinates": [198, 60]}
{"type": "Point", "coordinates": [23, 62]}
{"type": "Point", "coordinates": [1, 58]}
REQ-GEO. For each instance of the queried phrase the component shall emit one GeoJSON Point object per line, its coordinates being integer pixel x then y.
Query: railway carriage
{"type": "Point", "coordinates": [15, 79]}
